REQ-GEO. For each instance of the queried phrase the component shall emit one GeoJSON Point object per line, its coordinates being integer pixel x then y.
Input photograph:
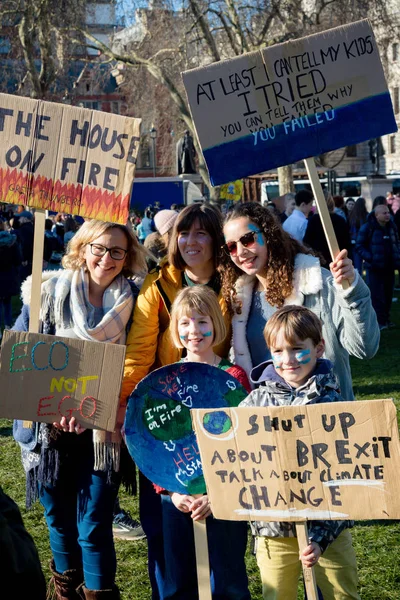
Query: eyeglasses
{"type": "Point", "coordinates": [115, 253]}
{"type": "Point", "coordinates": [247, 240]}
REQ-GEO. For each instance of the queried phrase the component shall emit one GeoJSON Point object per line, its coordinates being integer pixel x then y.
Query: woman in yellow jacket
{"type": "Point", "coordinates": [193, 259]}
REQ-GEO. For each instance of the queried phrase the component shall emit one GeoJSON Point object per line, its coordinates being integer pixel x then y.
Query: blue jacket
{"type": "Point", "coordinates": [371, 243]}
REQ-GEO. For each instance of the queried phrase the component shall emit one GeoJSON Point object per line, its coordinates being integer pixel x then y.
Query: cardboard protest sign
{"type": "Point", "coordinates": [67, 159]}
{"type": "Point", "coordinates": [290, 101]}
{"type": "Point", "coordinates": [321, 461]}
{"type": "Point", "coordinates": [158, 426]}
{"type": "Point", "coordinates": [43, 377]}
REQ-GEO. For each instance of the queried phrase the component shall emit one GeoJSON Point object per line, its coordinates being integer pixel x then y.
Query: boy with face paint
{"type": "Point", "coordinates": [298, 375]}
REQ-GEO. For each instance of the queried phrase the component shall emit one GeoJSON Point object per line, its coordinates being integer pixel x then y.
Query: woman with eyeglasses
{"type": "Point", "coordinates": [194, 255]}
{"type": "Point", "coordinates": [267, 268]}
{"type": "Point", "coordinates": [75, 472]}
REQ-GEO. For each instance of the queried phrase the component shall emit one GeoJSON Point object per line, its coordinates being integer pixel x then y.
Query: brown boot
{"type": "Point", "coordinates": [63, 586]}
{"type": "Point", "coordinates": [112, 594]}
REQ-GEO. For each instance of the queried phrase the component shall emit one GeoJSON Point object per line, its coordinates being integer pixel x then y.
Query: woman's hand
{"type": "Point", "coordinates": [200, 507]}
{"type": "Point", "coordinates": [342, 268]}
{"type": "Point", "coordinates": [310, 555]}
{"type": "Point", "coordinates": [182, 502]}
{"type": "Point", "coordinates": [69, 425]}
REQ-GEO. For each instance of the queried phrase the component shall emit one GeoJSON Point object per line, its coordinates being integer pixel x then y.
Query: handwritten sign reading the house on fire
{"type": "Point", "coordinates": [66, 158]}
{"type": "Point", "coordinates": [43, 378]}
{"type": "Point", "coordinates": [290, 101]}
{"type": "Point", "coordinates": [321, 461]}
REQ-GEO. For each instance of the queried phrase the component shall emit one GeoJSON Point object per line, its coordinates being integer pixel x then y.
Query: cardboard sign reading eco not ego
{"type": "Point", "coordinates": [66, 158]}
{"type": "Point", "coordinates": [321, 461]}
{"type": "Point", "coordinates": [290, 101]}
{"type": "Point", "coordinates": [158, 426]}
{"type": "Point", "coordinates": [43, 378]}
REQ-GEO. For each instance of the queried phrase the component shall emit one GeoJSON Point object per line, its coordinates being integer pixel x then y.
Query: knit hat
{"type": "Point", "coordinates": [164, 220]}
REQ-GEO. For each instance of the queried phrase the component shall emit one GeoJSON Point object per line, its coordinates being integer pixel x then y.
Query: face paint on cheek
{"type": "Point", "coordinates": [183, 337]}
{"type": "Point", "coordinates": [207, 334]}
{"type": "Point", "coordinates": [303, 357]}
{"type": "Point", "coordinates": [260, 237]}
{"type": "Point", "coordinates": [277, 361]}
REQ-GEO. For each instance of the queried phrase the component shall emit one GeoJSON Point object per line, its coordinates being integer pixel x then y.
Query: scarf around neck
{"type": "Point", "coordinates": [72, 287]}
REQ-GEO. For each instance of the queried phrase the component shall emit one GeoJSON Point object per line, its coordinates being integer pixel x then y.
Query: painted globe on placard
{"type": "Point", "coordinates": [217, 423]}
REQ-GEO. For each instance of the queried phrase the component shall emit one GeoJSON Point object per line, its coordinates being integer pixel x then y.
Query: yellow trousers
{"type": "Point", "coordinates": [280, 568]}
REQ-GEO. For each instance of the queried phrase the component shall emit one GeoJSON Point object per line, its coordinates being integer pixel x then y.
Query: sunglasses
{"type": "Point", "coordinates": [247, 240]}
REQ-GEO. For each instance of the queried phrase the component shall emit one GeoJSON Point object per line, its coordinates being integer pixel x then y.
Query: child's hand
{"type": "Point", "coordinates": [310, 555]}
{"type": "Point", "coordinates": [182, 502]}
{"type": "Point", "coordinates": [342, 268]}
{"type": "Point", "coordinates": [200, 507]}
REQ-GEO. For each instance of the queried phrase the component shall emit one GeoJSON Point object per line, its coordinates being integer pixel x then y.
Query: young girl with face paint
{"type": "Point", "coordinates": [197, 325]}
{"type": "Point", "coordinates": [297, 375]}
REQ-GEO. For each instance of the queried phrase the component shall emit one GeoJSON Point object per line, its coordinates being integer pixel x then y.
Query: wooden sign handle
{"type": "Point", "coordinates": [323, 212]}
{"type": "Point", "coordinates": [202, 561]}
{"type": "Point", "coordinates": [308, 573]}
{"type": "Point", "coordinates": [37, 268]}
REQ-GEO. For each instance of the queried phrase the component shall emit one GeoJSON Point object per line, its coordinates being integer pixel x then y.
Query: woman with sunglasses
{"type": "Point", "coordinates": [73, 471]}
{"type": "Point", "coordinates": [268, 268]}
{"type": "Point", "coordinates": [194, 254]}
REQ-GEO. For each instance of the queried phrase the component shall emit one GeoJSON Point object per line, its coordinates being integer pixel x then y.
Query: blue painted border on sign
{"type": "Point", "coordinates": [354, 123]}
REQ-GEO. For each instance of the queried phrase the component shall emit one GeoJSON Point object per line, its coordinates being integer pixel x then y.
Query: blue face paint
{"type": "Point", "coordinates": [183, 337]}
{"type": "Point", "coordinates": [260, 237]}
{"type": "Point", "coordinates": [303, 357]}
{"type": "Point", "coordinates": [207, 334]}
{"type": "Point", "coordinates": [277, 361]}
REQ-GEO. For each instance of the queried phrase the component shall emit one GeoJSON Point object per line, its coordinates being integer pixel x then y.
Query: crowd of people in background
{"type": "Point", "coordinates": [242, 263]}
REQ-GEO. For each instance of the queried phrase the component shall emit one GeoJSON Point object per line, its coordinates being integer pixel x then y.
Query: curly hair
{"type": "Point", "coordinates": [281, 252]}
{"type": "Point", "coordinates": [135, 261]}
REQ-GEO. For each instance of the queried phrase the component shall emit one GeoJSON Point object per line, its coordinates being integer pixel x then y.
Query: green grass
{"type": "Point", "coordinates": [377, 543]}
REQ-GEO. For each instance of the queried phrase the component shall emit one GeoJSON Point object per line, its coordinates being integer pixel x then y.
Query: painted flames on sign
{"type": "Point", "coordinates": [17, 187]}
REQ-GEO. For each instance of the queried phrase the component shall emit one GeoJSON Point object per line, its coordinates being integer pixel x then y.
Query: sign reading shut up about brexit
{"type": "Point", "coordinates": [290, 101]}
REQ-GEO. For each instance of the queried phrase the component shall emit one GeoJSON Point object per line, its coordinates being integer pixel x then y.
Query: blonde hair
{"type": "Point", "coordinates": [203, 300]}
{"type": "Point", "coordinates": [135, 260]}
{"type": "Point", "coordinates": [296, 322]}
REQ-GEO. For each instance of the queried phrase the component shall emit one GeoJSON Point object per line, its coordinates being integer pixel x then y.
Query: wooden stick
{"type": "Point", "coordinates": [202, 561]}
{"type": "Point", "coordinates": [308, 574]}
{"type": "Point", "coordinates": [37, 268]}
{"type": "Point", "coordinates": [323, 212]}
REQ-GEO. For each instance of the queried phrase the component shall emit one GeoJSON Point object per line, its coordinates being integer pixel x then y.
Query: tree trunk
{"type": "Point", "coordinates": [285, 177]}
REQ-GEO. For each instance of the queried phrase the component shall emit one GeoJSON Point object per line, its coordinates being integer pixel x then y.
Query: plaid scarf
{"type": "Point", "coordinates": [73, 287]}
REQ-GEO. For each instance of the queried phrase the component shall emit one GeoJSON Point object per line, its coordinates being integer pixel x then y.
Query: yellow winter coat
{"type": "Point", "coordinates": [149, 345]}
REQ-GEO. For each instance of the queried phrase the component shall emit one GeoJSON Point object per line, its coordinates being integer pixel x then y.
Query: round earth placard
{"type": "Point", "coordinates": [158, 424]}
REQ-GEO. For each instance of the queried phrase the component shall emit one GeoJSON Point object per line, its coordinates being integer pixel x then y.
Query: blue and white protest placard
{"type": "Point", "coordinates": [290, 101]}
{"type": "Point", "coordinates": [158, 425]}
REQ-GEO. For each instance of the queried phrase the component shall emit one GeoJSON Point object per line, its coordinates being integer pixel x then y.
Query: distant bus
{"type": "Point", "coordinates": [348, 187]}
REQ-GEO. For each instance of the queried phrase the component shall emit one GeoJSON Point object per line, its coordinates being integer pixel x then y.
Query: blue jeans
{"type": "Point", "coordinates": [151, 521]}
{"type": "Point", "coordinates": [381, 284]}
{"type": "Point", "coordinates": [79, 513]}
{"type": "Point", "coordinates": [227, 542]}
